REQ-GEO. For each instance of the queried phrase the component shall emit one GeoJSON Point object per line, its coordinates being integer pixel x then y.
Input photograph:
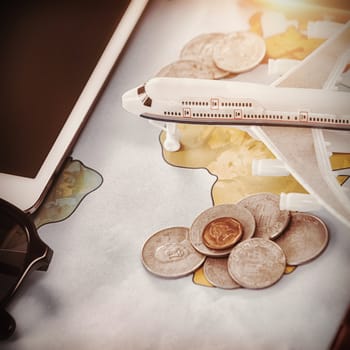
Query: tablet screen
{"type": "Point", "coordinates": [48, 51]}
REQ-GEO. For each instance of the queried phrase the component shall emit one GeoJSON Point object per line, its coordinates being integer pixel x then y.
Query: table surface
{"type": "Point", "coordinates": [96, 293]}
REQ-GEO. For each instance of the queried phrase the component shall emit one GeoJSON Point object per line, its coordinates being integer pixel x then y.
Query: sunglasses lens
{"type": "Point", "coordinates": [13, 251]}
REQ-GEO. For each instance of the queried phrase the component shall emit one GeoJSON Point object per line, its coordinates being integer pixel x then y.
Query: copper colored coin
{"type": "Point", "coordinates": [305, 238]}
{"type": "Point", "coordinates": [222, 233]}
{"type": "Point", "coordinates": [239, 213]}
{"type": "Point", "coordinates": [216, 272]}
{"type": "Point", "coordinates": [256, 263]}
{"type": "Point", "coordinates": [270, 220]}
{"type": "Point", "coordinates": [169, 253]}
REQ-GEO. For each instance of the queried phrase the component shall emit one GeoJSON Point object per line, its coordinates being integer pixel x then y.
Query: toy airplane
{"type": "Point", "coordinates": [182, 100]}
{"type": "Point", "coordinates": [300, 148]}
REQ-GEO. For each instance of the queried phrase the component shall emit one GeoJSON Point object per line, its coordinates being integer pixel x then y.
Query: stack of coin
{"type": "Point", "coordinates": [249, 244]}
{"type": "Point", "coordinates": [217, 55]}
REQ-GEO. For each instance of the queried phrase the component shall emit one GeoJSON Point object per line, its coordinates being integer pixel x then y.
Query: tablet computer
{"type": "Point", "coordinates": [55, 58]}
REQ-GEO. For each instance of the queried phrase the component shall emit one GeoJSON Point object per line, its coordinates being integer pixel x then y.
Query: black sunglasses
{"type": "Point", "coordinates": [21, 251]}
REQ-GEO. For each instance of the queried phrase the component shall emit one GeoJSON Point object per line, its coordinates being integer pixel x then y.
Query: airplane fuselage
{"type": "Point", "coordinates": [183, 100]}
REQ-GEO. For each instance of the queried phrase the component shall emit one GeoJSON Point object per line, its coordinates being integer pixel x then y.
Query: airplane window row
{"type": "Point", "coordinates": [227, 115]}
{"type": "Point", "coordinates": [256, 116]}
{"type": "Point", "coordinates": [262, 116]}
{"type": "Point", "coordinates": [172, 113]}
{"type": "Point", "coordinates": [195, 103]}
{"type": "Point", "coordinates": [223, 104]}
{"type": "Point", "coordinates": [212, 115]}
{"type": "Point", "coordinates": [236, 104]}
{"type": "Point", "coordinates": [330, 120]}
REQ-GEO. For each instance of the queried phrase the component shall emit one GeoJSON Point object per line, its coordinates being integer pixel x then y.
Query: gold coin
{"type": "Point", "coordinates": [239, 52]}
{"type": "Point", "coordinates": [256, 263]}
{"type": "Point", "coordinates": [201, 49]}
{"type": "Point", "coordinates": [222, 233]}
{"type": "Point", "coordinates": [305, 238]}
{"type": "Point", "coordinates": [186, 69]}
{"type": "Point", "coordinates": [239, 213]}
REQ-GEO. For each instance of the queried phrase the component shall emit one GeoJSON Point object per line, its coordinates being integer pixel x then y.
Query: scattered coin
{"type": "Point", "coordinates": [216, 272]}
{"type": "Point", "coordinates": [169, 253]}
{"type": "Point", "coordinates": [186, 69]}
{"type": "Point", "coordinates": [238, 52]}
{"type": "Point", "coordinates": [200, 49]}
{"type": "Point", "coordinates": [305, 238]}
{"type": "Point", "coordinates": [270, 220]}
{"type": "Point", "coordinates": [224, 210]}
{"type": "Point", "coordinates": [256, 263]}
{"type": "Point", "coordinates": [222, 233]}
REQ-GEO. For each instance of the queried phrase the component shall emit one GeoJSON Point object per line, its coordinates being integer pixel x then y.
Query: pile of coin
{"type": "Point", "coordinates": [247, 244]}
{"type": "Point", "coordinates": [217, 55]}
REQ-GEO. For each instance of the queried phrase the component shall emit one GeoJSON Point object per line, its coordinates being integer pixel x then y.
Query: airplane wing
{"type": "Point", "coordinates": [303, 150]}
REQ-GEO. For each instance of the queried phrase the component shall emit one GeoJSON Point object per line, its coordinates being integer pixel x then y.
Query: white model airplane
{"type": "Point", "coordinates": [304, 99]}
{"type": "Point", "coordinates": [194, 101]}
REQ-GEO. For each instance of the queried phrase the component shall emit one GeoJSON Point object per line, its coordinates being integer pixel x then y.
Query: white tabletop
{"type": "Point", "coordinates": [96, 293]}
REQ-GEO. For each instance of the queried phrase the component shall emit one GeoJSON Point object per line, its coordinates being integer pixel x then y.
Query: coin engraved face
{"type": "Point", "coordinates": [216, 272]}
{"type": "Point", "coordinates": [270, 220]}
{"type": "Point", "coordinates": [256, 263]}
{"type": "Point", "coordinates": [305, 238]}
{"type": "Point", "coordinates": [169, 253]}
{"type": "Point", "coordinates": [239, 213]}
{"type": "Point", "coordinates": [238, 52]}
{"type": "Point", "coordinates": [201, 49]}
{"type": "Point", "coordinates": [222, 233]}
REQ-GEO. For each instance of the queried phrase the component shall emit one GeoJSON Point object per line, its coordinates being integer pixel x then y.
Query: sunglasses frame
{"type": "Point", "coordinates": [39, 254]}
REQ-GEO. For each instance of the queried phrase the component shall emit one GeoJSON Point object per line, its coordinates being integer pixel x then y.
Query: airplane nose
{"type": "Point", "coordinates": [130, 101]}
{"type": "Point", "coordinates": [130, 94]}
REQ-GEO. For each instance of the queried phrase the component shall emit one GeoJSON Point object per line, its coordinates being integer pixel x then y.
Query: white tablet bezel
{"type": "Point", "coordinates": [27, 193]}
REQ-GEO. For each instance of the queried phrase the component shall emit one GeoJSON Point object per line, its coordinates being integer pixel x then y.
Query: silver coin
{"type": "Point", "coordinates": [216, 272]}
{"type": "Point", "coordinates": [270, 220]}
{"type": "Point", "coordinates": [224, 210]}
{"type": "Point", "coordinates": [239, 51]}
{"type": "Point", "coordinates": [201, 49]}
{"type": "Point", "coordinates": [186, 69]}
{"type": "Point", "coordinates": [305, 238]}
{"type": "Point", "coordinates": [256, 263]}
{"type": "Point", "coordinates": [169, 253]}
